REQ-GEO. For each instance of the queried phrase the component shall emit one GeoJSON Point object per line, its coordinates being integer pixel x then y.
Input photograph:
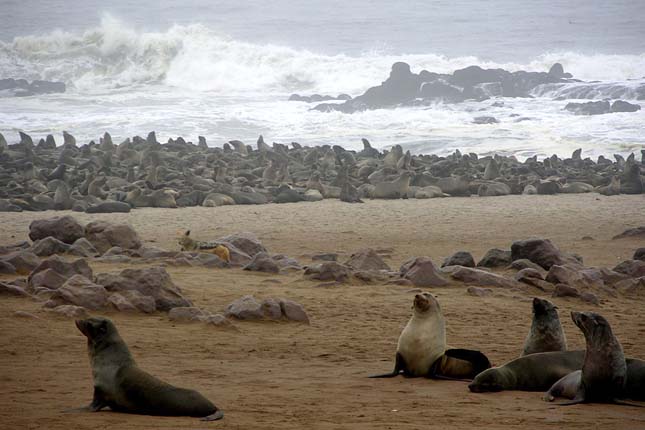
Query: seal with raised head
{"type": "Point", "coordinates": [120, 385]}
{"type": "Point", "coordinates": [421, 350]}
{"type": "Point", "coordinates": [546, 332]}
{"type": "Point", "coordinates": [604, 372]}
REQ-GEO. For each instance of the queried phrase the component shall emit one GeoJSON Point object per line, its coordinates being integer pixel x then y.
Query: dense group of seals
{"type": "Point", "coordinates": [142, 172]}
{"type": "Point", "coordinates": [120, 385]}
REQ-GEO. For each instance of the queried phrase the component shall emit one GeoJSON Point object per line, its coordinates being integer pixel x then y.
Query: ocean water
{"type": "Point", "coordinates": [224, 70]}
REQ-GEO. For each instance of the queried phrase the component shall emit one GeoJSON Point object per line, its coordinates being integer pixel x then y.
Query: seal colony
{"type": "Point", "coordinates": [142, 172]}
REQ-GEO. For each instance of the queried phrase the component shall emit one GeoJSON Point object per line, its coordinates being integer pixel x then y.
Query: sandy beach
{"type": "Point", "coordinates": [269, 375]}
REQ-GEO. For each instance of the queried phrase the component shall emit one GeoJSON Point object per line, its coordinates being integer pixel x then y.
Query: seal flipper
{"type": "Point", "coordinates": [479, 361]}
{"type": "Point", "coordinates": [217, 415]}
{"type": "Point", "coordinates": [399, 366]}
{"type": "Point", "coordinates": [97, 404]}
{"type": "Point", "coordinates": [459, 365]}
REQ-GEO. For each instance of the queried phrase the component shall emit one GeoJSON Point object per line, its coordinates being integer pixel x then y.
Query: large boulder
{"type": "Point", "coordinates": [633, 268]}
{"type": "Point", "coordinates": [366, 259]}
{"type": "Point", "coordinates": [65, 228]}
{"type": "Point", "coordinates": [246, 242]}
{"type": "Point", "coordinates": [422, 273]}
{"type": "Point", "coordinates": [480, 277]}
{"type": "Point", "coordinates": [154, 282]}
{"type": "Point", "coordinates": [573, 276]}
{"type": "Point", "coordinates": [104, 235]}
{"type": "Point", "coordinates": [79, 291]}
{"type": "Point", "coordinates": [83, 248]}
{"type": "Point", "coordinates": [293, 311]}
{"type": "Point", "coordinates": [47, 279]}
{"type": "Point", "coordinates": [460, 258]}
{"type": "Point", "coordinates": [589, 108]}
{"type": "Point", "coordinates": [495, 257]}
{"type": "Point", "coordinates": [639, 254]}
{"type": "Point", "coordinates": [634, 233]}
{"type": "Point", "coordinates": [22, 261]}
{"type": "Point", "coordinates": [49, 246]}
{"type": "Point", "coordinates": [328, 271]}
{"type": "Point", "coordinates": [539, 251]}
{"type": "Point", "coordinates": [63, 267]}
{"type": "Point", "coordinates": [245, 308]}
{"type": "Point", "coordinates": [262, 262]}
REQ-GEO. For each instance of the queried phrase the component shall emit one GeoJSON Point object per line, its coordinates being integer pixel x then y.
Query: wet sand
{"type": "Point", "coordinates": [269, 375]}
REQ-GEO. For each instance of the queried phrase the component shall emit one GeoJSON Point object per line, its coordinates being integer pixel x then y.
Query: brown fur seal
{"type": "Point", "coordinates": [604, 372]}
{"type": "Point", "coordinates": [533, 372]}
{"type": "Point", "coordinates": [421, 350]}
{"type": "Point", "coordinates": [120, 385]}
{"type": "Point", "coordinates": [546, 331]}
{"type": "Point", "coordinates": [393, 190]}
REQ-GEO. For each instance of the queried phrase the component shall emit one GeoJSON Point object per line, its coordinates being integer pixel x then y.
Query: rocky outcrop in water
{"type": "Point", "coordinates": [405, 88]}
{"type": "Point", "coordinates": [22, 88]}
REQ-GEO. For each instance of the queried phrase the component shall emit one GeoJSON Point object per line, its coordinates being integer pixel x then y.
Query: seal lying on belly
{"type": "Point", "coordinates": [533, 372]}
{"type": "Point", "coordinates": [120, 385]}
{"type": "Point", "coordinates": [421, 350]}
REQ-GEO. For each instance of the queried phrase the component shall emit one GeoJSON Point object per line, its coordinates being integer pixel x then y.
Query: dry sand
{"type": "Point", "coordinates": [290, 376]}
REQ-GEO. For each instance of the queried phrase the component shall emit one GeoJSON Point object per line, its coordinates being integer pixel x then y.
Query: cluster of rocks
{"type": "Point", "coordinates": [141, 172]}
{"type": "Point", "coordinates": [22, 88]}
{"type": "Point", "coordinates": [404, 88]}
{"type": "Point", "coordinates": [536, 263]}
{"type": "Point", "coordinates": [601, 107]}
{"type": "Point", "coordinates": [69, 287]}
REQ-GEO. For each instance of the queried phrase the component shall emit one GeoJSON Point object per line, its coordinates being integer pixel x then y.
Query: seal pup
{"type": "Point", "coordinates": [546, 332]}
{"type": "Point", "coordinates": [604, 371]}
{"type": "Point", "coordinates": [120, 385]}
{"type": "Point", "coordinates": [421, 349]}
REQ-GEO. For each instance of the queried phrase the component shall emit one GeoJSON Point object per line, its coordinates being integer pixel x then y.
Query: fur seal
{"type": "Point", "coordinates": [421, 350]}
{"type": "Point", "coordinates": [120, 385]}
{"type": "Point", "coordinates": [603, 376]}
{"type": "Point", "coordinates": [533, 372]}
{"type": "Point", "coordinates": [546, 332]}
{"type": "Point", "coordinates": [395, 189]}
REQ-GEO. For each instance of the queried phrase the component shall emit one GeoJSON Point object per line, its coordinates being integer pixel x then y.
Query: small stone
{"type": "Point", "coordinates": [479, 292]}
{"type": "Point", "coordinates": [328, 256]}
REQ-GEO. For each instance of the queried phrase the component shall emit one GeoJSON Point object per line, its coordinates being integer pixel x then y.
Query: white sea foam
{"type": "Point", "coordinates": [190, 80]}
{"type": "Point", "coordinates": [198, 58]}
